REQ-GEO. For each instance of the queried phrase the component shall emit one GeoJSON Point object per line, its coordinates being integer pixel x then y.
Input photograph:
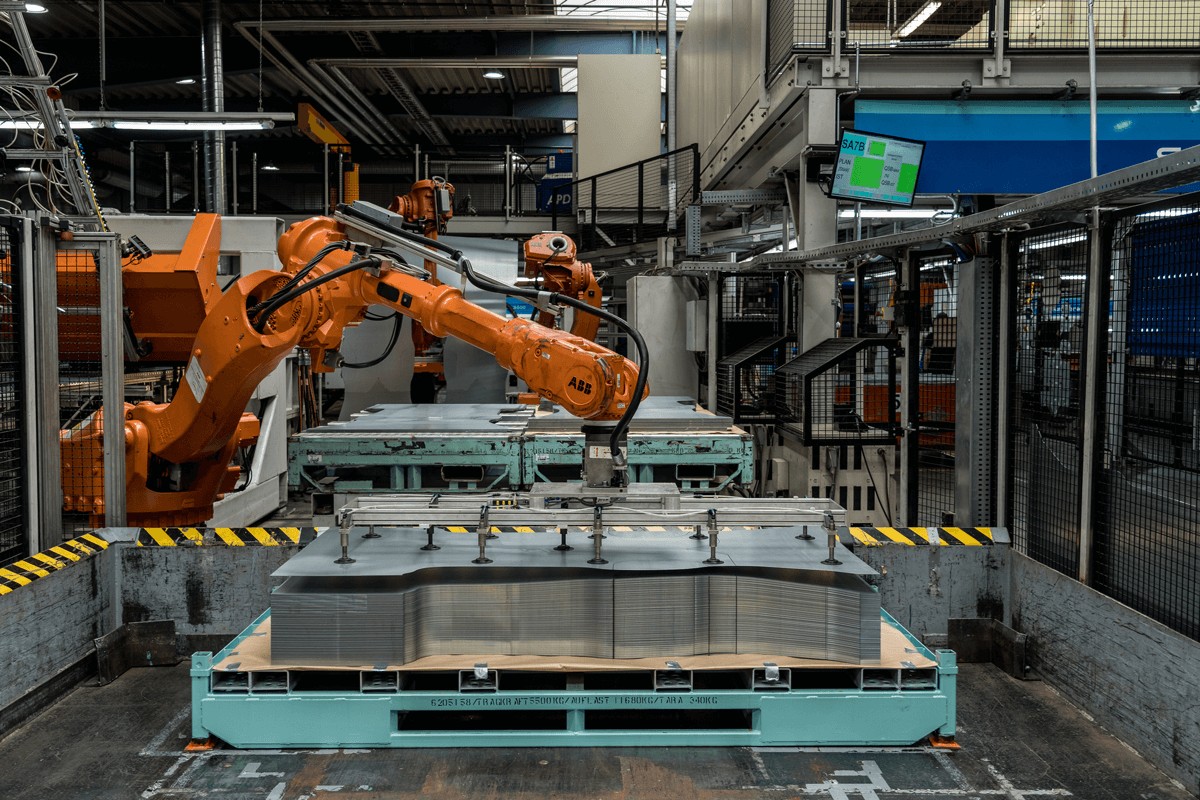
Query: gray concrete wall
{"type": "Point", "coordinates": [922, 587]}
{"type": "Point", "coordinates": [47, 627]}
{"type": "Point", "coordinates": [208, 591]}
{"type": "Point", "coordinates": [1137, 678]}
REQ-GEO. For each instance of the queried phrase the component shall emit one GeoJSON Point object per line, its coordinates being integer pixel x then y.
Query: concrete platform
{"type": "Point", "coordinates": [1020, 741]}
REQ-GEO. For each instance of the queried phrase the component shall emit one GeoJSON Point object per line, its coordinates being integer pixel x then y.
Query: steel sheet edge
{"type": "Point", "coordinates": [1029, 146]}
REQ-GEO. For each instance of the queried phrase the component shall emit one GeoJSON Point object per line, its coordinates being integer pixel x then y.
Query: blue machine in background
{"type": "Point", "coordinates": [554, 187]}
{"type": "Point", "coordinates": [1026, 147]}
{"type": "Point", "coordinates": [1164, 319]}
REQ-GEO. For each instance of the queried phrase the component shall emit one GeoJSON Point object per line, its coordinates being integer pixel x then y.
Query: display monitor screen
{"type": "Point", "coordinates": [877, 169]}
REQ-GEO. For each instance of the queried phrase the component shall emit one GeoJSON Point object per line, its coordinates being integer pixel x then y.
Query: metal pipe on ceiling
{"type": "Point", "coordinates": [305, 82]}
{"type": "Point", "coordinates": [338, 78]}
{"type": "Point", "coordinates": [213, 93]}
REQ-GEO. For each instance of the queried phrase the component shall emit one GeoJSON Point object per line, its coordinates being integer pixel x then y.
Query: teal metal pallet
{"type": "Point", "coordinates": [383, 464]}
{"type": "Point", "coordinates": [694, 461]}
{"type": "Point", "coordinates": [840, 705]}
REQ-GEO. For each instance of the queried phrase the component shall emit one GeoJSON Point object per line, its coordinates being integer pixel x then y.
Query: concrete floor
{"type": "Point", "coordinates": [1020, 741]}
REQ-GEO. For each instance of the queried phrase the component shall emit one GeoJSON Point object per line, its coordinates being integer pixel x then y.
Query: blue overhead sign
{"type": "Point", "coordinates": [1028, 146]}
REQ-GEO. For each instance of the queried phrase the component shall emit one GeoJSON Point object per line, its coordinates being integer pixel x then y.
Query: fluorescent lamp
{"type": "Point", "coordinates": [1070, 238]}
{"type": "Point", "coordinates": [24, 169]}
{"type": "Point", "coordinates": [269, 167]}
{"type": "Point", "coordinates": [494, 75]}
{"type": "Point", "coordinates": [35, 8]}
{"type": "Point", "coordinates": [186, 81]}
{"type": "Point", "coordinates": [918, 19]}
{"type": "Point", "coordinates": [184, 125]}
{"type": "Point", "coordinates": [895, 213]}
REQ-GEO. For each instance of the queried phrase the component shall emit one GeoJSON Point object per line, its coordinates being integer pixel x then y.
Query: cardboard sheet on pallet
{"type": "Point", "coordinates": [253, 654]}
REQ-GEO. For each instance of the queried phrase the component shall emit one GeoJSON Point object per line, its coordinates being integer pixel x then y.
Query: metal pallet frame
{"type": "Point", "coordinates": [687, 455]}
{"type": "Point", "coordinates": [498, 457]}
{"type": "Point", "coordinates": [372, 708]}
{"type": "Point", "coordinates": [513, 462]}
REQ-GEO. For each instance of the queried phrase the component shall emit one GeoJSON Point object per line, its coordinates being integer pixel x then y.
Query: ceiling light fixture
{"type": "Point", "coordinates": [185, 125]}
{"type": "Point", "coordinates": [896, 213]}
{"type": "Point", "coordinates": [186, 81]}
{"type": "Point", "coordinates": [918, 19]}
{"type": "Point", "coordinates": [269, 167]}
{"type": "Point", "coordinates": [494, 75]}
{"type": "Point", "coordinates": [24, 169]}
{"type": "Point", "coordinates": [35, 8]}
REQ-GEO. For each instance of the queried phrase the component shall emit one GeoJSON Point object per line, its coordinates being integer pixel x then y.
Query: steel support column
{"type": "Point", "coordinates": [213, 66]}
{"type": "Point", "coordinates": [45, 311]}
{"type": "Point", "coordinates": [1093, 380]}
{"type": "Point", "coordinates": [975, 392]}
{"type": "Point", "coordinates": [908, 322]}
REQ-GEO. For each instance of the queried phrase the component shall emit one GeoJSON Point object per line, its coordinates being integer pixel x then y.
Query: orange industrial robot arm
{"type": "Point", "coordinates": [550, 257]}
{"type": "Point", "coordinates": [178, 454]}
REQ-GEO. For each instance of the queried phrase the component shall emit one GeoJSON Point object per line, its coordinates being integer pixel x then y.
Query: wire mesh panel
{"type": "Point", "coordinates": [937, 392]}
{"type": "Point", "coordinates": [749, 307]}
{"type": "Point", "coordinates": [842, 391]}
{"type": "Point", "coordinates": [746, 379]}
{"type": "Point", "coordinates": [640, 202]}
{"type": "Point", "coordinates": [80, 389]}
{"type": "Point", "coordinates": [795, 26]}
{"type": "Point", "coordinates": [14, 481]}
{"type": "Point", "coordinates": [900, 25]}
{"type": "Point", "coordinates": [1046, 426]}
{"type": "Point", "coordinates": [1120, 24]}
{"type": "Point", "coordinates": [1147, 547]}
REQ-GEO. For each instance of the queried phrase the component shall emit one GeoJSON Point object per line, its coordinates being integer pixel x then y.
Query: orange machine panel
{"type": "Point", "coordinates": [168, 296]}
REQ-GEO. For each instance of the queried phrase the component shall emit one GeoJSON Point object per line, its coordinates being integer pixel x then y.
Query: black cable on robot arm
{"type": "Point", "coordinates": [307, 268]}
{"type": "Point", "coordinates": [490, 285]}
{"type": "Point", "coordinates": [281, 298]}
{"type": "Point", "coordinates": [387, 351]}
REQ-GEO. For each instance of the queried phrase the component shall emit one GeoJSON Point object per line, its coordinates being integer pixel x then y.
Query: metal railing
{"type": "Point", "coordinates": [1010, 27]}
{"type": "Point", "coordinates": [639, 202]}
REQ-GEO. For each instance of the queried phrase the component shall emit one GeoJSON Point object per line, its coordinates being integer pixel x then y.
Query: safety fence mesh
{"type": "Point", "coordinates": [1051, 276]}
{"type": "Point", "coordinates": [1147, 533]}
{"type": "Point", "coordinates": [80, 392]}
{"type": "Point", "coordinates": [1135, 494]}
{"type": "Point", "coordinates": [936, 416]}
{"type": "Point", "coordinates": [1120, 24]}
{"type": "Point", "coordinates": [14, 475]}
{"type": "Point", "coordinates": [796, 26]}
{"type": "Point", "coordinates": [900, 25]}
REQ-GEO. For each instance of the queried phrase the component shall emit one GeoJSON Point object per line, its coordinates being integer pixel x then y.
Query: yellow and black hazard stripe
{"type": "Point", "coordinates": [39, 565]}
{"type": "Point", "coordinates": [914, 537]}
{"type": "Point", "coordinates": [232, 537]}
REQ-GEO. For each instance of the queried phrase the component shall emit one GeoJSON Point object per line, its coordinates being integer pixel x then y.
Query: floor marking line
{"type": "Point", "coordinates": [277, 792]}
{"type": "Point", "coordinates": [186, 776]}
{"type": "Point", "coordinates": [155, 788]}
{"type": "Point", "coordinates": [759, 764]}
{"type": "Point", "coordinates": [943, 758]}
{"type": "Point", "coordinates": [251, 771]}
{"type": "Point", "coordinates": [160, 738]}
